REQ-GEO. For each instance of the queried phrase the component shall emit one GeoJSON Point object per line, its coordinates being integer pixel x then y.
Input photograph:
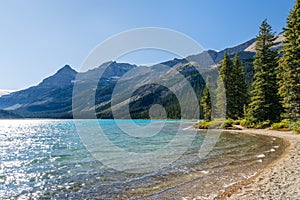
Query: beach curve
{"type": "Point", "coordinates": [279, 180]}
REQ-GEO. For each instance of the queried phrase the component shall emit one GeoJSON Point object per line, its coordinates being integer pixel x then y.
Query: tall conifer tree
{"type": "Point", "coordinates": [224, 83]}
{"type": "Point", "coordinates": [264, 103]}
{"type": "Point", "coordinates": [290, 66]}
{"type": "Point", "coordinates": [206, 102]}
{"type": "Point", "coordinates": [239, 89]}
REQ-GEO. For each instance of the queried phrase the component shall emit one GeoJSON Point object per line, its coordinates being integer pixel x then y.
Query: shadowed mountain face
{"type": "Point", "coordinates": [52, 98]}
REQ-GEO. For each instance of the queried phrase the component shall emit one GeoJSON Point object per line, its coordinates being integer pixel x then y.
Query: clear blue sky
{"type": "Point", "coordinates": [40, 36]}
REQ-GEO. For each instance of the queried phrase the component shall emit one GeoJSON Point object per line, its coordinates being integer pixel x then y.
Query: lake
{"type": "Point", "coordinates": [60, 159]}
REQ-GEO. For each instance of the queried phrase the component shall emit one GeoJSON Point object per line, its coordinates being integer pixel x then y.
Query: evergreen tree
{"type": "Point", "coordinates": [206, 102]}
{"type": "Point", "coordinates": [289, 67]}
{"type": "Point", "coordinates": [221, 103]}
{"type": "Point", "coordinates": [239, 89]}
{"type": "Point", "coordinates": [264, 103]}
{"type": "Point", "coordinates": [226, 78]}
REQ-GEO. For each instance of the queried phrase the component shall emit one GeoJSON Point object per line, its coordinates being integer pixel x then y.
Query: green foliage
{"type": "Point", "coordinates": [228, 123]}
{"type": "Point", "coordinates": [139, 108]}
{"type": "Point", "coordinates": [248, 122]}
{"type": "Point", "coordinates": [264, 103]}
{"type": "Point", "coordinates": [220, 99]}
{"type": "Point", "coordinates": [283, 125]}
{"type": "Point", "coordinates": [290, 66]}
{"type": "Point", "coordinates": [238, 89]}
{"type": "Point", "coordinates": [263, 125]}
{"type": "Point", "coordinates": [237, 122]}
{"type": "Point", "coordinates": [232, 89]}
{"type": "Point", "coordinates": [295, 126]}
{"type": "Point", "coordinates": [206, 102]}
{"type": "Point", "coordinates": [202, 125]}
{"type": "Point", "coordinates": [217, 123]}
{"type": "Point", "coordinates": [253, 123]}
{"type": "Point", "coordinates": [287, 124]}
{"type": "Point", "coordinates": [297, 129]}
{"type": "Point", "coordinates": [223, 91]}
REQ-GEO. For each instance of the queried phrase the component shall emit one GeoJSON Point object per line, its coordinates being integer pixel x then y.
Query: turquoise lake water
{"type": "Point", "coordinates": [47, 158]}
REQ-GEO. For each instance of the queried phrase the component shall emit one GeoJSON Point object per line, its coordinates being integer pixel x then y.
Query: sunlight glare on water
{"type": "Point", "coordinates": [46, 159]}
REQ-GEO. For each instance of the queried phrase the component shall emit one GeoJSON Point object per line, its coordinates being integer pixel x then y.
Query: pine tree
{"type": "Point", "coordinates": [221, 103]}
{"type": "Point", "coordinates": [239, 89]}
{"type": "Point", "coordinates": [264, 103]}
{"type": "Point", "coordinates": [289, 67]}
{"type": "Point", "coordinates": [226, 77]}
{"type": "Point", "coordinates": [206, 102]}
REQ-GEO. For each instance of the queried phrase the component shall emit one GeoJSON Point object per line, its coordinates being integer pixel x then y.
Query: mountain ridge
{"type": "Point", "coordinates": [52, 97]}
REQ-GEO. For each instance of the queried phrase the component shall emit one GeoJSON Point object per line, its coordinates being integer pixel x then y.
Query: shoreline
{"type": "Point", "coordinates": [278, 180]}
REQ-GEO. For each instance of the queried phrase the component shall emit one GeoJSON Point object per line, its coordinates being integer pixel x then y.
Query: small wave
{"type": "Point", "coordinates": [187, 128]}
{"type": "Point", "coordinates": [272, 150]}
{"type": "Point", "coordinates": [204, 172]}
{"type": "Point", "coordinates": [261, 156]}
{"type": "Point", "coordinates": [275, 147]}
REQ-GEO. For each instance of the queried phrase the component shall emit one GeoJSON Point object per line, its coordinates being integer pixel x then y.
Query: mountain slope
{"type": "Point", "coordinates": [52, 98]}
{"type": "Point", "coordinates": [278, 43]}
{"type": "Point", "coordinates": [40, 93]}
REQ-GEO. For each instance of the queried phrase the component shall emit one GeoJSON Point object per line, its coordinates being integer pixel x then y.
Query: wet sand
{"type": "Point", "coordinates": [279, 180]}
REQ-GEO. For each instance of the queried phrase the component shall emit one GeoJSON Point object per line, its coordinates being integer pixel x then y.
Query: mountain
{"type": "Point", "coordinates": [52, 98]}
{"type": "Point", "coordinates": [4, 114]}
{"type": "Point", "coordinates": [211, 57]}
{"type": "Point", "coordinates": [5, 92]}
{"type": "Point", "coordinates": [51, 95]}
{"type": "Point", "coordinates": [278, 43]}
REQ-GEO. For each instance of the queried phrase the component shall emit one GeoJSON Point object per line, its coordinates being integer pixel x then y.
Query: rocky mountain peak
{"type": "Point", "coordinates": [61, 78]}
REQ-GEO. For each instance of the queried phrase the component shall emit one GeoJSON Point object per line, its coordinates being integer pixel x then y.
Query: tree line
{"type": "Point", "coordinates": [275, 90]}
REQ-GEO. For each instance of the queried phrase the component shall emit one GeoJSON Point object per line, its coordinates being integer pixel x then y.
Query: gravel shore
{"type": "Point", "coordinates": [280, 180]}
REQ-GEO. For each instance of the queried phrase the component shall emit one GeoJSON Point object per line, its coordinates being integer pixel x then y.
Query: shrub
{"type": "Point", "coordinates": [202, 125]}
{"type": "Point", "coordinates": [248, 122]}
{"type": "Point", "coordinates": [236, 128]}
{"type": "Point", "coordinates": [297, 129]}
{"type": "Point", "coordinates": [295, 126]}
{"type": "Point", "coordinates": [217, 123]}
{"type": "Point", "coordinates": [263, 125]}
{"type": "Point", "coordinates": [283, 125]}
{"type": "Point", "coordinates": [236, 122]}
{"type": "Point", "coordinates": [227, 123]}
